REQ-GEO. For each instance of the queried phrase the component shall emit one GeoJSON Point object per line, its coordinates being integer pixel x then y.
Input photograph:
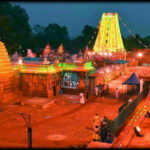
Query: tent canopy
{"type": "Point", "coordinates": [132, 80]}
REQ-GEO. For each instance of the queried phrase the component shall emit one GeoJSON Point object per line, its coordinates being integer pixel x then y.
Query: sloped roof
{"type": "Point", "coordinates": [132, 80]}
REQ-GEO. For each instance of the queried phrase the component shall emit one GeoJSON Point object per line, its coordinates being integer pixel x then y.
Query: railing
{"type": "Point", "coordinates": [126, 111]}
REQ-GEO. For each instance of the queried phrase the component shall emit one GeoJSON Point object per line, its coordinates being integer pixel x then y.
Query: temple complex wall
{"type": "Point", "coordinates": [47, 85]}
{"type": "Point", "coordinates": [10, 90]}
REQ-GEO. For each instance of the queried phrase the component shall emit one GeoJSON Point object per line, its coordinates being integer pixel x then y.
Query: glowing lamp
{"type": "Point", "coordinates": [110, 54]}
{"type": "Point", "coordinates": [137, 131]}
{"type": "Point", "coordinates": [105, 53]}
{"type": "Point", "coordinates": [20, 61]}
{"type": "Point", "coordinates": [140, 54]}
{"type": "Point", "coordinates": [89, 53]}
{"type": "Point", "coordinates": [107, 70]}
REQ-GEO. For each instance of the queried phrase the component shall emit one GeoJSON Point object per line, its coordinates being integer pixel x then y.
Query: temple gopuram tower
{"type": "Point", "coordinates": [9, 80]}
{"type": "Point", "coordinates": [109, 37]}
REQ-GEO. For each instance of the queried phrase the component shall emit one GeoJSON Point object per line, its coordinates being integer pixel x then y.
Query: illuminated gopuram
{"type": "Point", "coordinates": [47, 50]}
{"type": "Point", "coordinates": [9, 79]}
{"type": "Point", "coordinates": [109, 37]}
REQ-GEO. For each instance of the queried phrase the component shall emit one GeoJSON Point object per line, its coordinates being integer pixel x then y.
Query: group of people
{"type": "Point", "coordinates": [101, 131]}
{"type": "Point", "coordinates": [102, 90]}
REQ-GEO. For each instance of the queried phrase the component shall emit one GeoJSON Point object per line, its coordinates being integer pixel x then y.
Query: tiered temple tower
{"type": "Point", "coordinates": [9, 80]}
{"type": "Point", "coordinates": [109, 37]}
{"type": "Point", "coordinates": [47, 49]}
{"type": "Point", "coordinates": [60, 49]}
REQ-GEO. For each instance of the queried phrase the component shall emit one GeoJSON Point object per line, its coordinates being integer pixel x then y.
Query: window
{"type": "Point", "coordinates": [70, 80]}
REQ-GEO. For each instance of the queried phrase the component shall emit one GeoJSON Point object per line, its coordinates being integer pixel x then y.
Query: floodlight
{"type": "Point", "coordinates": [137, 131]}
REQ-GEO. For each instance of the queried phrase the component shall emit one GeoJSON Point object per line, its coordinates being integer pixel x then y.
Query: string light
{"type": "Point", "coordinates": [133, 35]}
{"type": "Point", "coordinates": [93, 35]}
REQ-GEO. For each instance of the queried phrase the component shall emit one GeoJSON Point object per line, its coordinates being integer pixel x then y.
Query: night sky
{"type": "Point", "coordinates": [75, 15]}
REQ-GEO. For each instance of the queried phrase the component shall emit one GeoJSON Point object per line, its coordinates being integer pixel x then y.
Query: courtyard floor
{"type": "Point", "coordinates": [65, 123]}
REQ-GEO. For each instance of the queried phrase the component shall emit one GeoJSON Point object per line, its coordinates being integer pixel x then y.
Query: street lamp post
{"type": "Point", "coordinates": [28, 123]}
{"type": "Point", "coordinates": [139, 55]}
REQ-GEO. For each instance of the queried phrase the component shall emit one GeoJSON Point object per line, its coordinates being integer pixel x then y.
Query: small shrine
{"type": "Point", "coordinates": [46, 51]}
{"type": "Point", "coordinates": [60, 49]}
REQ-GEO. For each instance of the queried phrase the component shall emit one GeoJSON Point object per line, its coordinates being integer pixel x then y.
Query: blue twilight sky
{"type": "Point", "coordinates": [75, 15]}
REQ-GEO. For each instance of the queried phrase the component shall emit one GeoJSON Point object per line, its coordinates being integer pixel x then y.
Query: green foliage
{"type": "Point", "coordinates": [18, 35]}
{"type": "Point", "coordinates": [80, 42]}
{"type": "Point", "coordinates": [14, 27]}
{"type": "Point", "coordinates": [131, 42]}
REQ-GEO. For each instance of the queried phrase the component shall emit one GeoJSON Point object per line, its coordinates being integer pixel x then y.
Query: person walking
{"type": "Point", "coordinates": [102, 131]}
{"type": "Point", "coordinates": [102, 91]}
{"type": "Point", "coordinates": [87, 95]}
{"type": "Point", "coordinates": [105, 132]}
{"type": "Point", "coordinates": [96, 136]}
{"type": "Point", "coordinates": [109, 137]}
{"type": "Point", "coordinates": [117, 93]}
{"type": "Point", "coordinates": [82, 101]}
{"type": "Point", "coordinates": [97, 119]}
{"type": "Point", "coordinates": [96, 90]}
{"type": "Point", "coordinates": [107, 89]}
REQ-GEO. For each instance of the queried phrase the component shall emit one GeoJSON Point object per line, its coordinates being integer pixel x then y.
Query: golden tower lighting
{"type": "Point", "coordinates": [6, 69]}
{"type": "Point", "coordinates": [9, 79]}
{"type": "Point", "coordinates": [109, 37]}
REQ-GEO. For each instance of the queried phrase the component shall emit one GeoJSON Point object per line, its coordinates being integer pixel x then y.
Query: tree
{"type": "Point", "coordinates": [131, 42]}
{"type": "Point", "coordinates": [80, 42]}
{"type": "Point", "coordinates": [15, 30]}
{"type": "Point", "coordinates": [55, 35]}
